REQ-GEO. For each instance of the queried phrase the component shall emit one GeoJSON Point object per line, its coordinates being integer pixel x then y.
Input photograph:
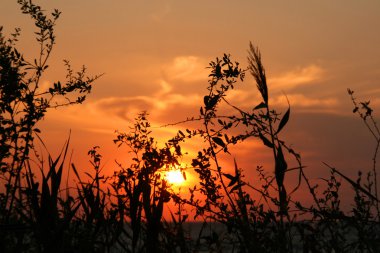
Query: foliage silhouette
{"type": "Point", "coordinates": [24, 102]}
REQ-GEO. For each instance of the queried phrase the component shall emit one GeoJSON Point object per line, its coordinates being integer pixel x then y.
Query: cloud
{"type": "Point", "coordinates": [168, 106]}
{"type": "Point", "coordinates": [170, 103]}
{"type": "Point", "coordinates": [123, 107]}
{"type": "Point", "coordinates": [165, 88]}
{"type": "Point", "coordinates": [301, 100]}
{"type": "Point", "coordinates": [178, 97]}
{"type": "Point", "coordinates": [249, 96]}
{"type": "Point", "coordinates": [297, 77]}
{"type": "Point", "coordinates": [186, 68]}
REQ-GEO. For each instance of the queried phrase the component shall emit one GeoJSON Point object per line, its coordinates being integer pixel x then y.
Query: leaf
{"type": "Point", "coordinates": [233, 181]}
{"type": "Point", "coordinates": [283, 200]}
{"type": "Point", "coordinates": [226, 138]}
{"type": "Point", "coordinates": [236, 187]}
{"type": "Point", "coordinates": [212, 102]}
{"type": "Point", "coordinates": [219, 141]}
{"type": "Point", "coordinates": [260, 106]}
{"type": "Point", "coordinates": [178, 150]}
{"type": "Point", "coordinates": [283, 121]}
{"type": "Point", "coordinates": [229, 176]}
{"type": "Point", "coordinates": [280, 167]}
{"type": "Point", "coordinates": [206, 99]}
{"type": "Point", "coordinates": [266, 141]}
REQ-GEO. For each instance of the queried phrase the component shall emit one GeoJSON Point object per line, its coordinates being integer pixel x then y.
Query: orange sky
{"type": "Point", "coordinates": [154, 54]}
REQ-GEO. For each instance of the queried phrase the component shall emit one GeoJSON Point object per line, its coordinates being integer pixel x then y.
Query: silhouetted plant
{"type": "Point", "coordinates": [23, 104]}
{"type": "Point", "coordinates": [141, 188]}
{"type": "Point", "coordinates": [254, 225]}
{"type": "Point", "coordinates": [365, 112]}
{"type": "Point", "coordinates": [227, 199]}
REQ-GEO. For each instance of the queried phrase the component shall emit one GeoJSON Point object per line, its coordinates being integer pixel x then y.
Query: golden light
{"type": "Point", "coordinates": [175, 177]}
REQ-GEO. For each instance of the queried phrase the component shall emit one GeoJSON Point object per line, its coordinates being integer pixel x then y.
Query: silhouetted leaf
{"type": "Point", "coordinates": [226, 138]}
{"type": "Point", "coordinates": [229, 176]}
{"type": "Point", "coordinates": [212, 102]}
{"type": "Point", "coordinates": [178, 150]}
{"type": "Point", "coordinates": [233, 181]}
{"type": "Point", "coordinates": [205, 100]}
{"type": "Point", "coordinates": [283, 121]}
{"type": "Point", "coordinates": [236, 187]}
{"type": "Point", "coordinates": [219, 141]}
{"type": "Point", "coordinates": [260, 106]}
{"type": "Point", "coordinates": [283, 200]}
{"type": "Point", "coordinates": [280, 167]}
{"type": "Point", "coordinates": [266, 141]}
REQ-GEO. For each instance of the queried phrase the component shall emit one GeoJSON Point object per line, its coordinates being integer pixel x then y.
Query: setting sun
{"type": "Point", "coordinates": [175, 177]}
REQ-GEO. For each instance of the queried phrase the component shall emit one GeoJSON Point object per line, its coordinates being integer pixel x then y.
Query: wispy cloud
{"type": "Point", "coordinates": [123, 107]}
{"type": "Point", "coordinates": [186, 68]}
{"type": "Point", "coordinates": [174, 101]}
{"type": "Point", "coordinates": [168, 103]}
{"type": "Point", "coordinates": [294, 78]}
{"type": "Point", "coordinates": [300, 100]}
{"type": "Point", "coordinates": [287, 82]}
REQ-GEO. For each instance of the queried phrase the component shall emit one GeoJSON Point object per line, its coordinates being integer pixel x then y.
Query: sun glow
{"type": "Point", "coordinates": [175, 177]}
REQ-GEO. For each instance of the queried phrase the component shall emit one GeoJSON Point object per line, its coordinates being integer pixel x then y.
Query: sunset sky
{"type": "Point", "coordinates": [154, 56]}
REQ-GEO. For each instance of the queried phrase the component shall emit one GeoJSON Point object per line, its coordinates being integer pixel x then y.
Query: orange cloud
{"type": "Point", "coordinates": [297, 77]}
{"type": "Point", "coordinates": [186, 68]}
{"type": "Point", "coordinates": [173, 103]}
{"type": "Point", "coordinates": [301, 100]}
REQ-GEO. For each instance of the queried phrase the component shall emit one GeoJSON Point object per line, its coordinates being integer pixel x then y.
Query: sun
{"type": "Point", "coordinates": [175, 177]}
